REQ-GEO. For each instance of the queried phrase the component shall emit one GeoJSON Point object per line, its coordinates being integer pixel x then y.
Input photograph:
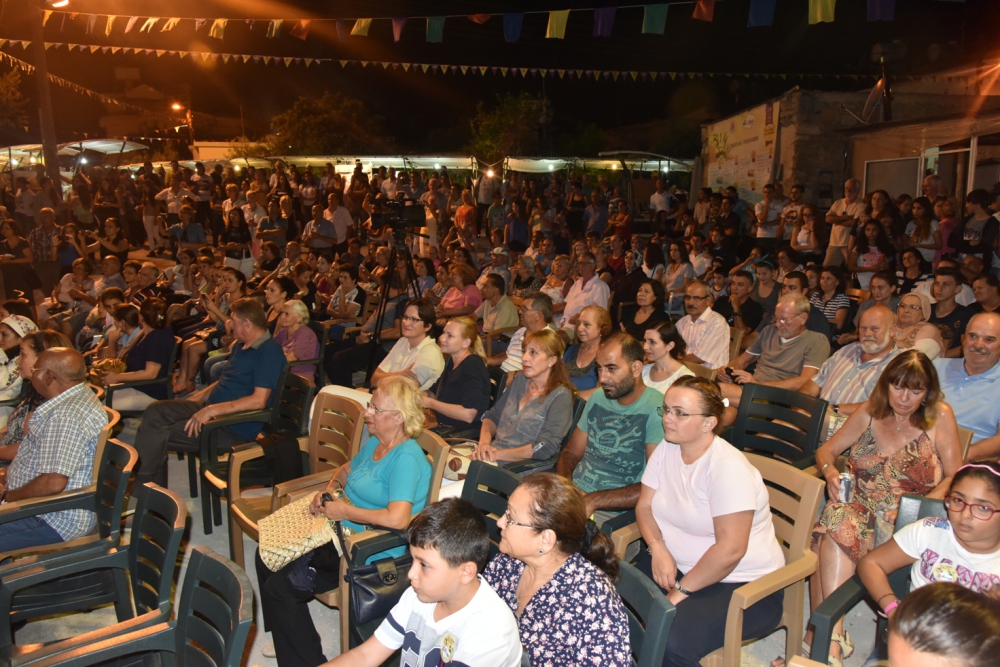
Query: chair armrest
{"type": "Point", "coordinates": [525, 465]}
{"type": "Point", "coordinates": [234, 419]}
{"type": "Point", "coordinates": [55, 555]}
{"type": "Point", "coordinates": [67, 500]}
{"type": "Point", "coordinates": [158, 637]}
{"type": "Point", "coordinates": [301, 484]}
{"type": "Point", "coordinates": [111, 388]}
{"type": "Point", "coordinates": [753, 592]}
{"type": "Point", "coordinates": [79, 641]}
{"type": "Point", "coordinates": [808, 465]}
{"type": "Point", "coordinates": [367, 543]}
{"type": "Point", "coordinates": [833, 608]}
{"type": "Point", "coordinates": [241, 454]}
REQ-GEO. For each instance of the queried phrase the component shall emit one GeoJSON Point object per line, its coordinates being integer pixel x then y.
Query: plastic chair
{"type": "Point", "coordinates": [334, 439]}
{"type": "Point", "coordinates": [649, 613]}
{"type": "Point", "coordinates": [212, 624]}
{"type": "Point", "coordinates": [138, 384]}
{"type": "Point", "coordinates": [965, 441]}
{"type": "Point", "coordinates": [113, 468]}
{"type": "Point", "coordinates": [779, 423]}
{"type": "Point", "coordinates": [321, 334]}
{"type": "Point", "coordinates": [702, 371]}
{"type": "Point", "coordinates": [287, 415]}
{"type": "Point", "coordinates": [911, 509]}
{"type": "Point", "coordinates": [498, 382]}
{"type": "Point", "coordinates": [36, 586]}
{"type": "Point", "coordinates": [735, 339]}
{"type": "Point", "coordinates": [489, 487]}
{"type": "Point", "coordinates": [525, 466]}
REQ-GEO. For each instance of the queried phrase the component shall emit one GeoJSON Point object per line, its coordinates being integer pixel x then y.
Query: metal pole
{"type": "Point", "coordinates": [46, 123]}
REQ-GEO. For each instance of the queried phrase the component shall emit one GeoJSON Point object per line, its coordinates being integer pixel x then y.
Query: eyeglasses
{"type": "Point", "coordinates": [678, 414]}
{"type": "Point", "coordinates": [511, 522]}
{"type": "Point", "coordinates": [371, 406]}
{"type": "Point", "coordinates": [784, 320]}
{"type": "Point", "coordinates": [410, 320]}
{"type": "Point", "coordinates": [981, 512]}
{"type": "Point", "coordinates": [911, 306]}
{"type": "Point", "coordinates": [694, 298]}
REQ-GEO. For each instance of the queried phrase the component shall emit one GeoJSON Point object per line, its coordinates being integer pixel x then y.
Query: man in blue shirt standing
{"type": "Point", "coordinates": [970, 385]}
{"type": "Point", "coordinates": [248, 383]}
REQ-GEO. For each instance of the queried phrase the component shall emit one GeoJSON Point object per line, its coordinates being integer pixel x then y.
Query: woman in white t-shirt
{"type": "Point", "coordinates": [703, 510]}
{"type": "Point", "coordinates": [664, 347]}
{"type": "Point", "coordinates": [963, 549]}
{"type": "Point", "coordinates": [923, 232]}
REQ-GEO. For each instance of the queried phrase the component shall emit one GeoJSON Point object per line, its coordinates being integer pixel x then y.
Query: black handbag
{"type": "Point", "coordinates": [376, 587]}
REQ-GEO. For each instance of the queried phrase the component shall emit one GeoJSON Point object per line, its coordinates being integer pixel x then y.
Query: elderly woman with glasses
{"type": "Point", "coordinates": [383, 485]}
{"type": "Point", "coordinates": [703, 510]}
{"type": "Point", "coordinates": [912, 329]}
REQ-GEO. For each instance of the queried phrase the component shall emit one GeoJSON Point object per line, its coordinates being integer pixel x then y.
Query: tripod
{"type": "Point", "coordinates": [398, 249]}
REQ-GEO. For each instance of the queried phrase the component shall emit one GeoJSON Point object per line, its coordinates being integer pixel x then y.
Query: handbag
{"type": "Point", "coordinates": [292, 532]}
{"type": "Point", "coordinates": [245, 265]}
{"type": "Point", "coordinates": [375, 588]}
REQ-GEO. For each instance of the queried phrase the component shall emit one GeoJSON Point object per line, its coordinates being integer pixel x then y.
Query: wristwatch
{"type": "Point", "coordinates": [681, 589]}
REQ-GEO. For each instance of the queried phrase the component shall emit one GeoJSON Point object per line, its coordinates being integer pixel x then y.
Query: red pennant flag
{"type": "Point", "coordinates": [301, 29]}
{"type": "Point", "coordinates": [479, 18]}
{"type": "Point", "coordinates": [704, 10]}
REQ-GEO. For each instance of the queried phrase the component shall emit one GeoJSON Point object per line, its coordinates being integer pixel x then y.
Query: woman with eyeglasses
{"type": "Point", "coordinates": [903, 439]}
{"type": "Point", "coordinates": [964, 548]}
{"type": "Point", "coordinates": [912, 329]}
{"type": "Point", "coordinates": [385, 483]}
{"type": "Point", "coordinates": [703, 510]}
{"type": "Point", "coordinates": [556, 571]}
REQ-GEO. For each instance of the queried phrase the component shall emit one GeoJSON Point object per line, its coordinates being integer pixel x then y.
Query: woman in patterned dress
{"type": "Point", "coordinates": [903, 439]}
{"type": "Point", "coordinates": [556, 571]}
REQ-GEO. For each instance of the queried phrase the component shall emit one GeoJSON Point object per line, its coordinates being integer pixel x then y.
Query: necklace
{"type": "Point", "coordinates": [899, 424]}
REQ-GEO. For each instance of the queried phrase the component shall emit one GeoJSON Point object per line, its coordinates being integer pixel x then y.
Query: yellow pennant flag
{"type": "Point", "coordinates": [361, 27]}
{"type": "Point", "coordinates": [288, 62]}
{"type": "Point", "coordinates": [634, 75]}
{"type": "Point", "coordinates": [170, 24]}
{"type": "Point", "coordinates": [111, 22]}
{"type": "Point", "coordinates": [524, 72]}
{"type": "Point", "coordinates": [406, 67]}
{"type": "Point", "coordinates": [308, 61]}
{"type": "Point", "coordinates": [343, 63]}
{"type": "Point", "coordinates": [543, 72]}
{"type": "Point", "coordinates": [562, 73]}
{"type": "Point", "coordinates": [597, 76]}
{"type": "Point", "coordinates": [218, 28]}
{"type": "Point", "coordinates": [226, 57]}
{"type": "Point", "coordinates": [503, 70]}
{"type": "Point", "coordinates": [46, 15]}
{"type": "Point", "coordinates": [115, 49]}
{"type": "Point", "coordinates": [48, 45]}
{"type": "Point", "coordinates": [93, 49]}
{"type": "Point", "coordinates": [268, 59]}
{"type": "Point", "coordinates": [615, 75]}
{"type": "Point", "coordinates": [364, 63]}
{"type": "Point", "coordinates": [673, 75]}
{"type": "Point", "coordinates": [482, 69]}
{"type": "Point", "coordinates": [424, 67]}
{"type": "Point", "coordinates": [160, 52]}
{"type": "Point", "coordinates": [464, 68]}
{"type": "Point", "coordinates": [385, 65]}
{"type": "Point", "coordinates": [821, 11]}
{"type": "Point", "coordinates": [652, 75]}
{"type": "Point", "coordinates": [148, 25]}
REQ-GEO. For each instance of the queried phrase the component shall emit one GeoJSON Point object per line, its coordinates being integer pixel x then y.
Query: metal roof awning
{"type": "Point", "coordinates": [632, 160]}
{"type": "Point", "coordinates": [376, 161]}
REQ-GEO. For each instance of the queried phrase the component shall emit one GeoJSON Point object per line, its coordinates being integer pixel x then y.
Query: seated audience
{"type": "Point", "coordinates": [617, 432]}
{"type": "Point", "coordinates": [64, 305]}
{"type": "Point", "coordinates": [912, 329]}
{"type": "Point", "coordinates": [295, 337]}
{"type": "Point", "coordinates": [647, 312]}
{"type": "Point", "coordinates": [415, 355]}
{"type": "Point", "coordinates": [986, 288]}
{"type": "Point", "coordinates": [383, 485]}
{"type": "Point", "coordinates": [787, 355]}
{"type": "Point", "coordinates": [913, 272]}
{"type": "Point", "coordinates": [549, 547]}
{"type": "Point", "coordinates": [847, 378]}
{"type": "Point", "coordinates": [12, 330]}
{"type": "Point", "coordinates": [883, 288]}
{"type": "Point", "coordinates": [57, 452]}
{"type": "Point", "coordinates": [970, 383]}
{"type": "Point", "coordinates": [146, 359]}
{"type": "Point", "coordinates": [831, 299]}
{"type": "Point", "coordinates": [903, 439]}
{"type": "Point", "coordinates": [665, 349]}
{"type": "Point", "coordinates": [524, 281]}
{"type": "Point", "coordinates": [703, 510]}
{"type": "Point", "coordinates": [704, 331]}
{"type": "Point", "coordinates": [535, 314]}
{"type": "Point", "coordinates": [520, 427]}
{"type": "Point", "coordinates": [739, 310]}
{"type": "Point", "coordinates": [463, 298]}
{"type": "Point", "coordinates": [248, 382]}
{"type": "Point", "coordinates": [587, 290]}
{"type": "Point", "coordinates": [496, 311]}
{"type": "Point", "coordinates": [461, 394]}
{"type": "Point", "coordinates": [593, 326]}
{"type": "Point", "coordinates": [946, 314]}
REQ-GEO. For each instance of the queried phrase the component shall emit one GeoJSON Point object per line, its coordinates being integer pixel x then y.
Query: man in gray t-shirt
{"type": "Point", "coordinates": [787, 354]}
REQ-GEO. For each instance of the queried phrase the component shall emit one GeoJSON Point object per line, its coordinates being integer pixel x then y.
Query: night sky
{"type": "Point", "coordinates": [426, 112]}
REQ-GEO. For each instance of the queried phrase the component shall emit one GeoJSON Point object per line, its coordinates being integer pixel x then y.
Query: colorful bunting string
{"type": "Point", "coordinates": [63, 83]}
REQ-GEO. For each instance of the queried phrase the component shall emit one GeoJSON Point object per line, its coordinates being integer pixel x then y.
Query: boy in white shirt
{"type": "Point", "coordinates": [449, 615]}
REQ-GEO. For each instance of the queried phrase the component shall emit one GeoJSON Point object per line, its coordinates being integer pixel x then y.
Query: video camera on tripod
{"type": "Point", "coordinates": [401, 215]}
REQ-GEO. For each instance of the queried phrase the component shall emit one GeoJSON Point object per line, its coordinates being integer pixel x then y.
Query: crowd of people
{"type": "Point", "coordinates": [885, 308]}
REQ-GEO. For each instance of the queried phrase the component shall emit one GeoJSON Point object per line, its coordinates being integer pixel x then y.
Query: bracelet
{"type": "Point", "coordinates": [836, 409]}
{"type": "Point", "coordinates": [892, 605]}
{"type": "Point", "coordinates": [681, 589]}
{"type": "Point", "coordinates": [822, 470]}
{"type": "Point", "coordinates": [879, 601]}
{"type": "Point", "coordinates": [649, 547]}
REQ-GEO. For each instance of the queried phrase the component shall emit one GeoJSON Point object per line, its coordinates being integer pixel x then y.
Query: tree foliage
{"type": "Point", "coordinates": [243, 147]}
{"type": "Point", "coordinates": [329, 125]}
{"type": "Point", "coordinates": [11, 101]}
{"type": "Point", "coordinates": [514, 127]}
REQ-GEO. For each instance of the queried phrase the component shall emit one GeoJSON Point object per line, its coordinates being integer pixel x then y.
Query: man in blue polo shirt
{"type": "Point", "coordinates": [248, 383]}
{"type": "Point", "coordinates": [971, 385]}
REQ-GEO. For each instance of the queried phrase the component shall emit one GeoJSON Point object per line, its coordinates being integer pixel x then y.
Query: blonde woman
{"type": "Point", "coordinates": [296, 338]}
{"type": "Point", "coordinates": [462, 393]}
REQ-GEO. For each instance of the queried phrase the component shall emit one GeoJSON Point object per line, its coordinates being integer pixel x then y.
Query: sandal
{"type": "Point", "coordinates": [780, 662]}
{"type": "Point", "coordinates": [846, 645]}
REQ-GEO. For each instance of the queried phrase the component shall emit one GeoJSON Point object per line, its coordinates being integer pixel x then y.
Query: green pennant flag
{"type": "Point", "coordinates": [557, 24]}
{"type": "Point", "coordinates": [435, 29]}
{"type": "Point", "coordinates": [821, 11]}
{"type": "Point", "coordinates": [654, 19]}
{"type": "Point", "coordinates": [361, 27]}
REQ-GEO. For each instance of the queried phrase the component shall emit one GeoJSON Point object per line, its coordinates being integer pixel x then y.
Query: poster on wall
{"type": "Point", "coordinates": [741, 151]}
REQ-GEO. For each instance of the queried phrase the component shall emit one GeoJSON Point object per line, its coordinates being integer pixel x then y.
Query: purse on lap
{"type": "Point", "coordinates": [292, 532]}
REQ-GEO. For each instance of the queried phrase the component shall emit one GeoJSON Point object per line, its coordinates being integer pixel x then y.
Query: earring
{"type": "Point", "coordinates": [541, 551]}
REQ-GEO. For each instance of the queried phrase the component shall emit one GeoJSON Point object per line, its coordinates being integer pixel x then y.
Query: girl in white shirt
{"type": "Point", "coordinates": [703, 510]}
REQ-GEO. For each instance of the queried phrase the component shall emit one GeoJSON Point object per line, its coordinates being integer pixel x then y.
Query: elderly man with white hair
{"type": "Point", "coordinates": [842, 218]}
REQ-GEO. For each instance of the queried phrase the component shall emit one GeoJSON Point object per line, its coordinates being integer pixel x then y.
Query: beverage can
{"type": "Point", "coordinates": [846, 487]}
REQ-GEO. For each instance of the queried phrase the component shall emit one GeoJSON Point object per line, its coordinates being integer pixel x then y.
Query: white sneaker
{"type": "Point", "coordinates": [268, 651]}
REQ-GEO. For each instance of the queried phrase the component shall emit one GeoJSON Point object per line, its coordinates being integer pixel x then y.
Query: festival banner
{"type": "Point", "coordinates": [741, 151]}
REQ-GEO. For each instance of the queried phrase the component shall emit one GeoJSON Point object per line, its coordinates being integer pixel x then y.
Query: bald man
{"type": "Point", "coordinates": [56, 454]}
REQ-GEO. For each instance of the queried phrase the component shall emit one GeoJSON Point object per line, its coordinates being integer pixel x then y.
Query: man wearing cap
{"type": "Point", "coordinates": [499, 259]}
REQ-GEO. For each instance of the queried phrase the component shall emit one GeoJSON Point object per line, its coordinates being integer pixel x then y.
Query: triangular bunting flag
{"type": "Point", "coordinates": [673, 75]}
{"type": "Point", "coordinates": [453, 69]}
{"type": "Point", "coordinates": [268, 59]}
{"type": "Point", "coordinates": [435, 29]}
{"type": "Point", "coordinates": [218, 28]}
{"type": "Point", "coordinates": [273, 28]}
{"type": "Point", "coordinates": [543, 72]}
{"type": "Point", "coordinates": [634, 75]}
{"type": "Point", "coordinates": [479, 18]}
{"type": "Point", "coordinates": [482, 70]}
{"type": "Point", "coordinates": [465, 69]}
{"type": "Point", "coordinates": [557, 24]}
{"type": "Point", "coordinates": [361, 27]}
{"type": "Point", "coordinates": [48, 45]}
{"type": "Point", "coordinates": [288, 61]}
{"type": "Point", "coordinates": [160, 53]}
{"type": "Point", "coordinates": [131, 24]}
{"type": "Point", "coordinates": [257, 59]}
{"type": "Point", "coordinates": [148, 25]}
{"type": "Point", "coordinates": [94, 48]}
{"type": "Point", "coordinates": [654, 19]}
{"type": "Point", "coordinates": [615, 75]}
{"type": "Point", "coordinates": [226, 57]}
{"type": "Point", "coordinates": [170, 24]}
{"type": "Point", "coordinates": [301, 29]}
{"type": "Point", "coordinates": [406, 67]}
{"type": "Point", "coordinates": [821, 11]}
{"type": "Point", "coordinates": [46, 15]}
{"type": "Point", "coordinates": [597, 76]}
{"type": "Point", "coordinates": [309, 62]}
{"type": "Point", "coordinates": [343, 63]}
{"type": "Point", "coordinates": [115, 49]}
{"type": "Point", "coordinates": [397, 28]}
{"type": "Point", "coordinates": [25, 43]}
{"type": "Point", "coordinates": [562, 73]}
{"type": "Point", "coordinates": [503, 70]}
{"type": "Point", "coordinates": [385, 65]}
{"type": "Point", "coordinates": [652, 75]}
{"type": "Point", "coordinates": [364, 63]}
{"type": "Point", "coordinates": [524, 72]}
{"type": "Point", "coordinates": [704, 10]}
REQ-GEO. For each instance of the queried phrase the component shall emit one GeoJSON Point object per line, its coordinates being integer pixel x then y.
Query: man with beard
{"type": "Point", "coordinates": [616, 434]}
{"type": "Point", "coordinates": [848, 377]}
{"type": "Point", "coordinates": [970, 384]}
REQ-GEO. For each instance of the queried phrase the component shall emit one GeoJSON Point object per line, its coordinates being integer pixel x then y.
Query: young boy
{"type": "Point", "coordinates": [449, 615]}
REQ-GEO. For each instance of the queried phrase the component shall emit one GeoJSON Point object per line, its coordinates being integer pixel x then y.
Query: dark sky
{"type": "Point", "coordinates": [428, 112]}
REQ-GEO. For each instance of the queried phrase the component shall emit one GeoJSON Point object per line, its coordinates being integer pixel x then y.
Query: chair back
{"type": "Point", "coordinates": [335, 435]}
{"type": "Point", "coordinates": [436, 450]}
{"type": "Point", "coordinates": [166, 380]}
{"type": "Point", "coordinates": [291, 407]}
{"type": "Point", "coordinates": [498, 382]}
{"type": "Point", "coordinates": [857, 295]}
{"type": "Point", "coordinates": [114, 474]}
{"type": "Point", "coordinates": [965, 441]}
{"type": "Point", "coordinates": [794, 498]}
{"type": "Point", "coordinates": [702, 371]}
{"type": "Point", "coordinates": [735, 339]}
{"type": "Point", "coordinates": [488, 487]}
{"type": "Point", "coordinates": [369, 306]}
{"type": "Point", "coordinates": [102, 439]}
{"type": "Point", "coordinates": [649, 614]}
{"type": "Point", "coordinates": [157, 529]}
{"type": "Point", "coordinates": [912, 509]}
{"type": "Point", "coordinates": [215, 612]}
{"type": "Point", "coordinates": [778, 422]}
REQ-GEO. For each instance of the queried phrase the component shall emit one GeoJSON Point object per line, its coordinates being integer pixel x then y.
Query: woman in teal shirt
{"type": "Point", "coordinates": [384, 485]}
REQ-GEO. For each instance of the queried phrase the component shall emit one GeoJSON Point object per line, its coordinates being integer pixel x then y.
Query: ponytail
{"type": "Point", "coordinates": [600, 550]}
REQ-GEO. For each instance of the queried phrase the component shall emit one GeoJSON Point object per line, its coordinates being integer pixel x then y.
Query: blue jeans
{"type": "Point", "coordinates": [27, 532]}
